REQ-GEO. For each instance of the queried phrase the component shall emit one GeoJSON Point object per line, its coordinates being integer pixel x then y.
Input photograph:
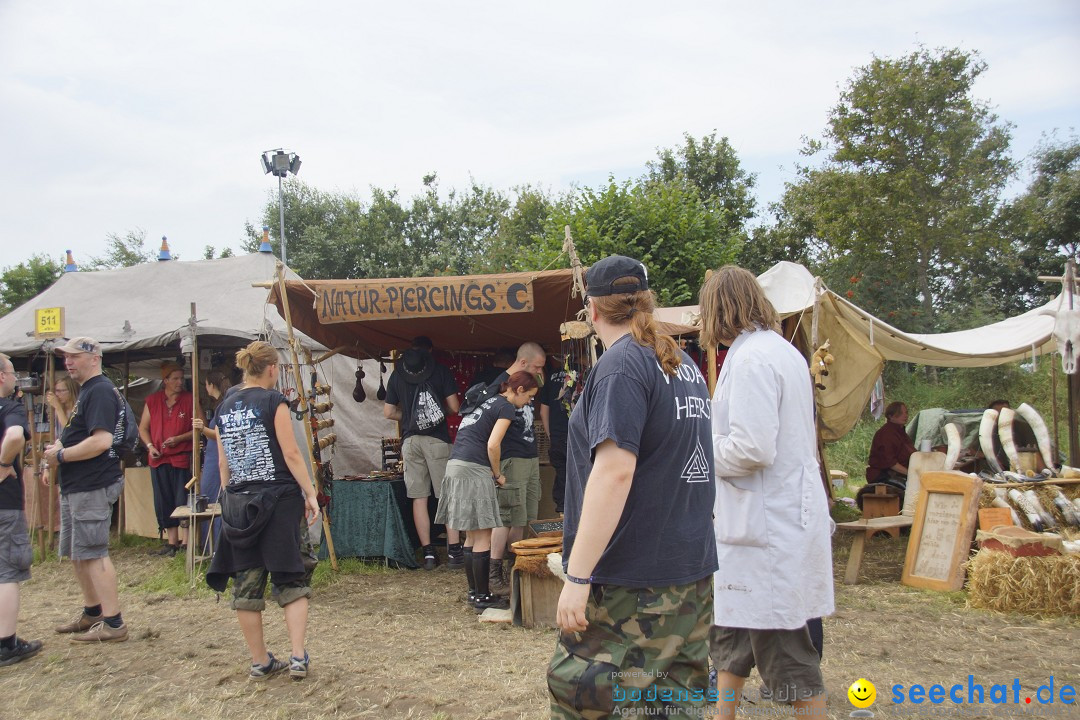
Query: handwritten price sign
{"type": "Point", "coordinates": [49, 322]}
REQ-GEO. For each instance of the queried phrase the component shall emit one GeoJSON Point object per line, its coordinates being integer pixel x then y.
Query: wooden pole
{"type": "Point", "coordinates": [121, 524]}
{"type": "Point", "coordinates": [50, 473]}
{"type": "Point", "coordinates": [196, 436]}
{"type": "Point", "coordinates": [1053, 409]}
{"type": "Point", "coordinates": [299, 378]}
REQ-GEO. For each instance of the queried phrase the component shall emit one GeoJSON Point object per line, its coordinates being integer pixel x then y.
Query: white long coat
{"type": "Point", "coordinates": [771, 514]}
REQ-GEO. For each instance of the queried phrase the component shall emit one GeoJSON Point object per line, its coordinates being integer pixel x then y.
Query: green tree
{"type": "Point", "coordinates": [19, 283]}
{"type": "Point", "coordinates": [121, 251]}
{"type": "Point", "coordinates": [712, 167]}
{"type": "Point", "coordinates": [665, 224]}
{"type": "Point", "coordinates": [906, 195]}
{"type": "Point", "coordinates": [1043, 225]}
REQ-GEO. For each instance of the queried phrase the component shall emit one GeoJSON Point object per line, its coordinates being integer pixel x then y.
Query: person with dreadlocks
{"type": "Point", "coordinates": [639, 550]}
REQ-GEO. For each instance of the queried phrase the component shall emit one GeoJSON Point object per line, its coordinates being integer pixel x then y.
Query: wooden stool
{"type": "Point", "coordinates": [866, 528]}
{"type": "Point", "coordinates": [882, 503]}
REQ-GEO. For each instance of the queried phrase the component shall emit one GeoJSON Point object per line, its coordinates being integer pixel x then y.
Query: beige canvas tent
{"type": "Point", "coordinates": [140, 314]}
{"type": "Point", "coordinates": [862, 343]}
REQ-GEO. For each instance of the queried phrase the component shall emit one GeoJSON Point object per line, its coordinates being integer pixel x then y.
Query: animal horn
{"type": "Point", "coordinates": [1042, 435]}
{"type": "Point", "coordinates": [986, 439]}
{"type": "Point", "coordinates": [952, 434]}
{"type": "Point", "coordinates": [1005, 433]}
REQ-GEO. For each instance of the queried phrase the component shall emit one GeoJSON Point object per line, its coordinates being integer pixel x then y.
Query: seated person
{"type": "Point", "coordinates": [890, 451]}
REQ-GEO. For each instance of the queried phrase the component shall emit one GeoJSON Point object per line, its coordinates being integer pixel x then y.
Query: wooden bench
{"type": "Point", "coordinates": [867, 528]}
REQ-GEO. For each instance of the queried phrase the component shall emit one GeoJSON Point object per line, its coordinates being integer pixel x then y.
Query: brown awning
{"type": "Point", "coordinates": [459, 313]}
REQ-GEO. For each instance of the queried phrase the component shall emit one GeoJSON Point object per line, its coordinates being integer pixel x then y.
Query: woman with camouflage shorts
{"type": "Point", "coordinates": [638, 539]}
{"type": "Point", "coordinates": [266, 493]}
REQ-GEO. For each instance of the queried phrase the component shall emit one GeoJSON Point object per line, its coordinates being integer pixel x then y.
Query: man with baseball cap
{"type": "Point", "coordinates": [90, 482]}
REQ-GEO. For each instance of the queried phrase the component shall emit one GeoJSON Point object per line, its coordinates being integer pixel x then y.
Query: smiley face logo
{"type": "Point", "coordinates": [862, 693]}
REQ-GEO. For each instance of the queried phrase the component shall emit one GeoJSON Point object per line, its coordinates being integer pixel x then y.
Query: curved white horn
{"type": "Point", "coordinates": [952, 434]}
{"type": "Point", "coordinates": [1005, 434]}
{"type": "Point", "coordinates": [1042, 435]}
{"type": "Point", "coordinates": [986, 439]}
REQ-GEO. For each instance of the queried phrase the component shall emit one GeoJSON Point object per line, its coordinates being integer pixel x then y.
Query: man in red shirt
{"type": "Point", "coordinates": [891, 448]}
{"type": "Point", "coordinates": [165, 429]}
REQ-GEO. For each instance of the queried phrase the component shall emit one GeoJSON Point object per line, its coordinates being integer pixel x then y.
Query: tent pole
{"type": "Point", "coordinates": [1053, 409]}
{"type": "Point", "coordinates": [50, 372]}
{"type": "Point", "coordinates": [280, 273]}
{"type": "Point", "coordinates": [196, 436]}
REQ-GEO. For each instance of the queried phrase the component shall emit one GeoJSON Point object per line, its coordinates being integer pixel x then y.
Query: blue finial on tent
{"type": "Point", "coordinates": [70, 266]}
{"type": "Point", "coordinates": [163, 253]}
{"type": "Point", "coordinates": [264, 246]}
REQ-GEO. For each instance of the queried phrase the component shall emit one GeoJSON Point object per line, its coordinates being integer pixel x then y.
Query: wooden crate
{"type": "Point", "coordinates": [534, 599]}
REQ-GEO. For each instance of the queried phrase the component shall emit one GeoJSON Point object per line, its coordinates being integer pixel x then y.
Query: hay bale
{"type": "Point", "coordinates": [1032, 585]}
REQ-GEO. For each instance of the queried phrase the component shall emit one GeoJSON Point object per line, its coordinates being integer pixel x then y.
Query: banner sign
{"type": "Point", "coordinates": [356, 300]}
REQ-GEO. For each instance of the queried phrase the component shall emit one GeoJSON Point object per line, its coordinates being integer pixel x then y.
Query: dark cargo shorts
{"type": "Point", "coordinates": [16, 555]}
{"type": "Point", "coordinates": [786, 659]}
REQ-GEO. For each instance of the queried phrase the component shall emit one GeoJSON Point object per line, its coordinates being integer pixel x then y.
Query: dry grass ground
{"type": "Point", "coordinates": [400, 644]}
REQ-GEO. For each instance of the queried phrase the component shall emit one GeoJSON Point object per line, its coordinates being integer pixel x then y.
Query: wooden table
{"type": "Point", "coordinates": [183, 512]}
{"type": "Point", "coordinates": [863, 529]}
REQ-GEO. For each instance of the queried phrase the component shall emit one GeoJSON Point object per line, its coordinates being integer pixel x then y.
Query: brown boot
{"type": "Point", "coordinates": [496, 584]}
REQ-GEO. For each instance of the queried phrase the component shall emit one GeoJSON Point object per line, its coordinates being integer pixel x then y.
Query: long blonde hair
{"type": "Point", "coordinates": [732, 301]}
{"type": "Point", "coordinates": [637, 309]}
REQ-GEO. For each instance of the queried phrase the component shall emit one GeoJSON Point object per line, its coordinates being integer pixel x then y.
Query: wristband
{"type": "Point", "coordinates": [60, 456]}
{"type": "Point", "coordinates": [579, 581]}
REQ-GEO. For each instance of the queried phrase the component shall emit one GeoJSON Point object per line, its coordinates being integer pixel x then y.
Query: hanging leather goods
{"type": "Point", "coordinates": [358, 393]}
{"type": "Point", "coordinates": [381, 392]}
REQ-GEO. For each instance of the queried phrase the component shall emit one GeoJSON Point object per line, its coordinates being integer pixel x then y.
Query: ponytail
{"type": "Point", "coordinates": [637, 310]}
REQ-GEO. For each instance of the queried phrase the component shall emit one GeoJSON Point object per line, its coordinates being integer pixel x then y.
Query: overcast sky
{"type": "Point", "coordinates": [121, 115]}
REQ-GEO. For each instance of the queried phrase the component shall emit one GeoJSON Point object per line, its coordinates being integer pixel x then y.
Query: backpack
{"type": "Point", "coordinates": [126, 434]}
{"type": "Point", "coordinates": [475, 397]}
{"type": "Point", "coordinates": [427, 409]}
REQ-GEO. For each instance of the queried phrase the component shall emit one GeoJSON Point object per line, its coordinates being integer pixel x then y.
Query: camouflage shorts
{"type": "Point", "coordinates": [644, 647]}
{"type": "Point", "coordinates": [249, 586]}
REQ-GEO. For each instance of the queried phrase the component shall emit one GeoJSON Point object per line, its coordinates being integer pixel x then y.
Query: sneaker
{"type": "Point", "coordinates": [483, 602]}
{"type": "Point", "coordinates": [21, 651]}
{"type": "Point", "coordinates": [81, 623]}
{"type": "Point", "coordinates": [298, 667]}
{"type": "Point", "coordinates": [261, 672]}
{"type": "Point", "coordinates": [101, 631]}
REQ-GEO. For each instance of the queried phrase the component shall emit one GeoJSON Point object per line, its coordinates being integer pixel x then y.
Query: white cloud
{"type": "Point", "coordinates": [122, 114]}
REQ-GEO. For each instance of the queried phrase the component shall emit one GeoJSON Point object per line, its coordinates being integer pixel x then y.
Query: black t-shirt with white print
{"type": "Point", "coordinates": [13, 414]}
{"type": "Point", "coordinates": [97, 408]}
{"type": "Point", "coordinates": [245, 422]}
{"type": "Point", "coordinates": [665, 533]}
{"type": "Point", "coordinates": [549, 395]}
{"type": "Point", "coordinates": [520, 438]}
{"type": "Point", "coordinates": [475, 429]}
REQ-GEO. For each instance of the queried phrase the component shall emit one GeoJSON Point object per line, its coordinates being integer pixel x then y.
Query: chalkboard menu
{"type": "Point", "coordinates": [942, 532]}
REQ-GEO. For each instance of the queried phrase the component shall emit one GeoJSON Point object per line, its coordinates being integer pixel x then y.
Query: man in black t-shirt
{"type": "Point", "coordinates": [90, 482]}
{"type": "Point", "coordinates": [419, 395]}
{"type": "Point", "coordinates": [553, 416]}
{"type": "Point", "coordinates": [15, 551]}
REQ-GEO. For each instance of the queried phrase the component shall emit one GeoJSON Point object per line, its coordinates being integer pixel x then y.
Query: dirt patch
{"type": "Point", "coordinates": [402, 644]}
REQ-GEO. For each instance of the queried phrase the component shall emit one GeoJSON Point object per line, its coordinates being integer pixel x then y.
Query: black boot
{"type": "Point", "coordinates": [430, 558]}
{"type": "Point", "coordinates": [469, 576]}
{"type": "Point", "coordinates": [481, 571]}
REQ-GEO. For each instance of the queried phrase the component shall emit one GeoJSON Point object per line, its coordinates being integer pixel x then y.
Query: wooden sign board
{"type": "Point", "coordinates": [49, 322]}
{"type": "Point", "coordinates": [992, 517]}
{"type": "Point", "coordinates": [943, 529]}
{"type": "Point", "coordinates": [355, 300]}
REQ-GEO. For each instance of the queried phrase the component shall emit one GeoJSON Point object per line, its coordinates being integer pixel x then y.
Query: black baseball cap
{"type": "Point", "coordinates": [600, 278]}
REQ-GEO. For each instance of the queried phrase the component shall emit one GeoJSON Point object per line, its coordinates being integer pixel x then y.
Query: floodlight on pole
{"type": "Point", "coordinates": [281, 162]}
